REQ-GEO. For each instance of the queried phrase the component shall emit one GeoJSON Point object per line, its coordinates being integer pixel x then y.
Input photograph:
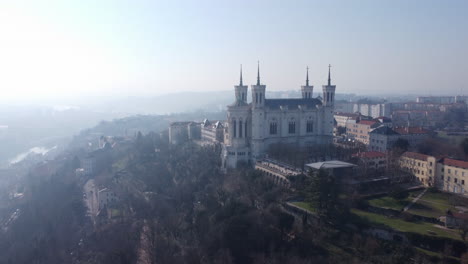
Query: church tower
{"type": "Point", "coordinates": [307, 90]}
{"type": "Point", "coordinates": [328, 102]}
{"type": "Point", "coordinates": [328, 92]}
{"type": "Point", "coordinates": [258, 116]}
{"type": "Point", "coordinates": [241, 90]}
{"type": "Point", "coordinates": [258, 92]}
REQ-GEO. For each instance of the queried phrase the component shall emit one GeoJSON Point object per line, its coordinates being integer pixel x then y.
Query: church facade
{"type": "Point", "coordinates": [252, 127]}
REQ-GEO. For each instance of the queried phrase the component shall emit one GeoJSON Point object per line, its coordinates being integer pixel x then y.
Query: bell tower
{"type": "Point", "coordinates": [258, 92]}
{"type": "Point", "coordinates": [307, 90]}
{"type": "Point", "coordinates": [328, 92]}
{"type": "Point", "coordinates": [241, 90]}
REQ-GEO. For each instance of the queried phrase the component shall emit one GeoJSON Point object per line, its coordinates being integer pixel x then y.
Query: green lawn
{"type": "Point", "coordinates": [432, 204]}
{"type": "Point", "coordinates": [391, 203]}
{"type": "Point", "coordinates": [407, 227]}
{"type": "Point", "coordinates": [304, 205]}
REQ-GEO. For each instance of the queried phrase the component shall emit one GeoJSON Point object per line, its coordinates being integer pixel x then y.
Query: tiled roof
{"type": "Point", "coordinates": [370, 154]}
{"type": "Point", "coordinates": [384, 130]}
{"type": "Point", "coordinates": [367, 122]}
{"type": "Point", "coordinates": [462, 216]}
{"type": "Point", "coordinates": [291, 103]}
{"type": "Point", "coordinates": [456, 163]}
{"type": "Point", "coordinates": [414, 155]}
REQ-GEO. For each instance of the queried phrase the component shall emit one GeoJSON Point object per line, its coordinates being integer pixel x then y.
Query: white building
{"type": "Point", "coordinates": [106, 197]}
{"type": "Point", "coordinates": [253, 127]}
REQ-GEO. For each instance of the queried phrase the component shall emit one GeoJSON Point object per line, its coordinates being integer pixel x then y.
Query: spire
{"type": "Point", "coordinates": [329, 79]}
{"type": "Point", "coordinates": [240, 83]}
{"type": "Point", "coordinates": [258, 72]}
{"type": "Point", "coordinates": [307, 76]}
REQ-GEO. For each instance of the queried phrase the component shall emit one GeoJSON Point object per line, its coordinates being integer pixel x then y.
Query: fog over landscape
{"type": "Point", "coordinates": [237, 132]}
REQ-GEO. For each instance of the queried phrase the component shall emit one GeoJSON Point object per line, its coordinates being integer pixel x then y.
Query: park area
{"type": "Point", "coordinates": [432, 204]}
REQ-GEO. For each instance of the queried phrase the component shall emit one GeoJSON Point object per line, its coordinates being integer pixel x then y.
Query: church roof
{"type": "Point", "coordinates": [292, 103]}
{"type": "Point", "coordinates": [238, 103]}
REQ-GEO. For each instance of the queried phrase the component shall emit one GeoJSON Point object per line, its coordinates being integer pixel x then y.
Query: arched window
{"type": "Point", "coordinates": [273, 128]}
{"type": "Point", "coordinates": [310, 126]}
{"type": "Point", "coordinates": [292, 127]}
{"type": "Point", "coordinates": [256, 98]}
{"type": "Point", "coordinates": [261, 95]}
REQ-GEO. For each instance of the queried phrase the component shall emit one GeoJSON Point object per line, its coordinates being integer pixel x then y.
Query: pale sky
{"type": "Point", "coordinates": [88, 47]}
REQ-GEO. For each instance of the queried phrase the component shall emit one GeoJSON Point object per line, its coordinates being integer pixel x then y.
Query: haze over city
{"type": "Point", "coordinates": [233, 132]}
{"type": "Point", "coordinates": [66, 49]}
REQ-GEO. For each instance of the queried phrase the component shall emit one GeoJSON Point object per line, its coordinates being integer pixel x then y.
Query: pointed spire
{"type": "Point", "coordinates": [240, 83]}
{"type": "Point", "coordinates": [258, 72]}
{"type": "Point", "coordinates": [329, 79]}
{"type": "Point", "coordinates": [307, 76]}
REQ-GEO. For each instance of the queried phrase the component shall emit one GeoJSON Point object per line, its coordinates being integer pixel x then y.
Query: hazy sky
{"type": "Point", "coordinates": [70, 48]}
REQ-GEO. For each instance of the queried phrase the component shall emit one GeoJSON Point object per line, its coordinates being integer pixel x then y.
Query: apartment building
{"type": "Point", "coordinates": [359, 130]}
{"type": "Point", "coordinates": [446, 174]}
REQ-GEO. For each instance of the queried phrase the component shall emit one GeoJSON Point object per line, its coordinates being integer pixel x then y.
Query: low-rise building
{"type": "Point", "coordinates": [456, 219]}
{"type": "Point", "coordinates": [212, 131]}
{"type": "Point", "coordinates": [180, 132]}
{"type": "Point", "coordinates": [446, 174]}
{"type": "Point", "coordinates": [342, 118]}
{"type": "Point", "coordinates": [383, 138]}
{"type": "Point", "coordinates": [423, 167]}
{"type": "Point", "coordinates": [360, 129]}
{"type": "Point", "coordinates": [106, 198]}
{"type": "Point", "coordinates": [371, 160]}
{"type": "Point", "coordinates": [453, 176]}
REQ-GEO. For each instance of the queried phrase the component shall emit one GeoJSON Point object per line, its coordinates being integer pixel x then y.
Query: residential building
{"type": "Point", "coordinates": [453, 176]}
{"type": "Point", "coordinates": [212, 131]}
{"type": "Point", "coordinates": [371, 160]}
{"type": "Point", "coordinates": [423, 167]}
{"type": "Point", "coordinates": [106, 197]}
{"type": "Point", "coordinates": [383, 138]}
{"type": "Point", "coordinates": [342, 118]}
{"type": "Point", "coordinates": [373, 109]}
{"type": "Point", "coordinates": [180, 132]}
{"type": "Point", "coordinates": [359, 130]}
{"type": "Point", "coordinates": [446, 174]}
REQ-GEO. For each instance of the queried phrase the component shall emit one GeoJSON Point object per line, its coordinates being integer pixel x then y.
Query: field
{"type": "Point", "coordinates": [432, 204]}
{"type": "Point", "coordinates": [391, 203]}
{"type": "Point", "coordinates": [423, 228]}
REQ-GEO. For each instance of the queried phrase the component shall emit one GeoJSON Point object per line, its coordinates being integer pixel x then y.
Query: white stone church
{"type": "Point", "coordinates": [252, 127]}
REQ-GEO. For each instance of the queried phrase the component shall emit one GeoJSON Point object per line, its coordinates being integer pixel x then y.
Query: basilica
{"type": "Point", "coordinates": [250, 128]}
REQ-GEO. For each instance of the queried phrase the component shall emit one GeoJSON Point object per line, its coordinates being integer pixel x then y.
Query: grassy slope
{"type": "Point", "coordinates": [404, 226]}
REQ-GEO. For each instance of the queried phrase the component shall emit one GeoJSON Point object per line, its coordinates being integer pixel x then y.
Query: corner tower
{"type": "Point", "coordinates": [307, 90]}
{"type": "Point", "coordinates": [328, 92]}
{"type": "Point", "coordinates": [258, 92]}
{"type": "Point", "coordinates": [241, 90]}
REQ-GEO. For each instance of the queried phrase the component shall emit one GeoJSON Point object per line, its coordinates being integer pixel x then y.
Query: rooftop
{"type": "Point", "coordinates": [293, 103]}
{"type": "Point", "coordinates": [455, 163]}
{"type": "Point", "coordinates": [384, 130]}
{"type": "Point", "coordinates": [331, 164]}
{"type": "Point", "coordinates": [415, 155]}
{"type": "Point", "coordinates": [368, 122]}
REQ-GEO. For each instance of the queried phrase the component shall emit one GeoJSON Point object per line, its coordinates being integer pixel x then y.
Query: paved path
{"type": "Point", "coordinates": [414, 200]}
